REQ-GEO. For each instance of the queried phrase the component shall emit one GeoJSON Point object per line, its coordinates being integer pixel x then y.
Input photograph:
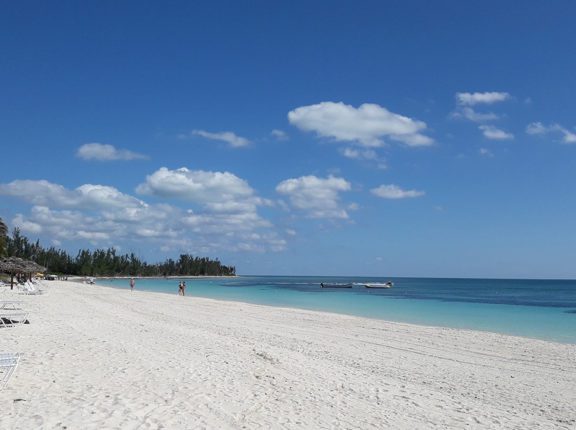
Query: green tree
{"type": "Point", "coordinates": [3, 237]}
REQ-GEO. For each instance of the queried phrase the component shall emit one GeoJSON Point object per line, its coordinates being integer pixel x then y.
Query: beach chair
{"type": "Point", "coordinates": [10, 305]}
{"type": "Point", "coordinates": [30, 289]}
{"type": "Point", "coordinates": [8, 364]}
{"type": "Point", "coordinates": [10, 319]}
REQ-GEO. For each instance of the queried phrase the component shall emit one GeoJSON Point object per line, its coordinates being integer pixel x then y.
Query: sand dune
{"type": "Point", "coordinates": [97, 357]}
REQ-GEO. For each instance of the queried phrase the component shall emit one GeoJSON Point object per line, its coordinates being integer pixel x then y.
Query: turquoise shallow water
{"type": "Point", "coordinates": [542, 309]}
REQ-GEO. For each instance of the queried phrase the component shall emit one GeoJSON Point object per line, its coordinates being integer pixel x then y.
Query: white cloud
{"type": "Point", "coordinates": [317, 197]}
{"type": "Point", "coordinates": [395, 192]}
{"type": "Point", "coordinates": [104, 216]}
{"type": "Point", "coordinates": [218, 191]}
{"type": "Point", "coordinates": [228, 206]}
{"type": "Point", "coordinates": [359, 154]}
{"type": "Point", "coordinates": [364, 155]}
{"type": "Point", "coordinates": [72, 225]}
{"type": "Point", "coordinates": [471, 99]}
{"type": "Point", "coordinates": [537, 128]}
{"type": "Point", "coordinates": [279, 134]}
{"type": "Point", "coordinates": [224, 136]}
{"type": "Point", "coordinates": [494, 133]}
{"type": "Point", "coordinates": [25, 225]}
{"type": "Point", "coordinates": [568, 137]}
{"type": "Point", "coordinates": [464, 102]}
{"type": "Point", "coordinates": [485, 152]}
{"type": "Point", "coordinates": [368, 125]}
{"type": "Point", "coordinates": [105, 152]}
{"type": "Point", "coordinates": [88, 196]}
{"type": "Point", "coordinates": [474, 116]}
{"type": "Point", "coordinates": [93, 236]}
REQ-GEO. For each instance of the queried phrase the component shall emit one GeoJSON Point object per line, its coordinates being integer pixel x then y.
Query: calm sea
{"type": "Point", "coordinates": [542, 309]}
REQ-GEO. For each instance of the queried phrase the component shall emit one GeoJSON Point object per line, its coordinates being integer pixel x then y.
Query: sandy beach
{"type": "Point", "coordinates": [97, 357]}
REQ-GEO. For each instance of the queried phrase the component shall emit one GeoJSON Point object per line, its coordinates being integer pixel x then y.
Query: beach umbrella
{"type": "Point", "coordinates": [12, 266]}
{"type": "Point", "coordinates": [33, 267]}
{"type": "Point", "coordinates": [16, 265]}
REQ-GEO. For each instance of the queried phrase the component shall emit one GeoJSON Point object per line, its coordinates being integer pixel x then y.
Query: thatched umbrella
{"type": "Point", "coordinates": [14, 266]}
{"type": "Point", "coordinates": [33, 267]}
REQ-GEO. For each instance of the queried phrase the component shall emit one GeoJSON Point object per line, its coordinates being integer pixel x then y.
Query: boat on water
{"type": "Point", "coordinates": [388, 284]}
{"type": "Point", "coordinates": [323, 285]}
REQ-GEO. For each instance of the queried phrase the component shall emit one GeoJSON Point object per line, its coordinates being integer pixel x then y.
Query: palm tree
{"type": "Point", "coordinates": [3, 237]}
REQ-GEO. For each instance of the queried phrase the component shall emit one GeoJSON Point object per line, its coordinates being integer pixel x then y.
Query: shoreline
{"type": "Point", "coordinates": [107, 357]}
{"type": "Point", "coordinates": [83, 278]}
{"type": "Point", "coordinates": [385, 318]}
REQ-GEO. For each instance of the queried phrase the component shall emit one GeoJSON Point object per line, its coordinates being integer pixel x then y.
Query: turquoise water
{"type": "Point", "coordinates": [542, 309]}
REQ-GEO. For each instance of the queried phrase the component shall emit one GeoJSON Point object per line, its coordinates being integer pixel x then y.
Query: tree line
{"type": "Point", "coordinates": [105, 262]}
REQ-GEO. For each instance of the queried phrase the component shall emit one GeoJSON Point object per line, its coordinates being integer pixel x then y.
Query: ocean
{"type": "Point", "coordinates": [541, 309]}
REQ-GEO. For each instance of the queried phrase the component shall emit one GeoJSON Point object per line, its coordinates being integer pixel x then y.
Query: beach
{"type": "Point", "coordinates": [97, 357]}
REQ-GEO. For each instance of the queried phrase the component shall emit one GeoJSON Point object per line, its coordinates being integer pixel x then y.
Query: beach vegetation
{"type": "Point", "coordinates": [107, 262]}
{"type": "Point", "coordinates": [3, 237]}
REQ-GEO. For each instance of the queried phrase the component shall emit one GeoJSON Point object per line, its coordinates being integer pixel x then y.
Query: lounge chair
{"type": "Point", "coordinates": [31, 289]}
{"type": "Point", "coordinates": [8, 364]}
{"type": "Point", "coordinates": [10, 305]}
{"type": "Point", "coordinates": [10, 319]}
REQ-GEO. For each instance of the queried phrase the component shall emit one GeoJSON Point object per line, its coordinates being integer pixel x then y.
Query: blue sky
{"type": "Point", "coordinates": [400, 138]}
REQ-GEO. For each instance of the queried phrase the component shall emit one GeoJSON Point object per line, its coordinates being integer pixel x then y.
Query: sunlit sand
{"type": "Point", "coordinates": [97, 357]}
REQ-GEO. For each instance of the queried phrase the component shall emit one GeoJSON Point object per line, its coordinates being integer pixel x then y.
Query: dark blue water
{"type": "Point", "coordinates": [544, 309]}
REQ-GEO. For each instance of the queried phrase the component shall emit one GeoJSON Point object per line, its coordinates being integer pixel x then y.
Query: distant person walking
{"type": "Point", "coordinates": [132, 284]}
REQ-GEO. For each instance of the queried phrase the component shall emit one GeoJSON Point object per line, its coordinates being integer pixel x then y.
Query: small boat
{"type": "Point", "coordinates": [388, 284]}
{"type": "Point", "coordinates": [323, 285]}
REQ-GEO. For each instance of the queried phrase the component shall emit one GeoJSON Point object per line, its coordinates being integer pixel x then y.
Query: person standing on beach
{"type": "Point", "coordinates": [132, 284]}
{"type": "Point", "coordinates": [182, 288]}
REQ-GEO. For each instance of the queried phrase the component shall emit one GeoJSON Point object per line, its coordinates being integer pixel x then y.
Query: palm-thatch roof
{"type": "Point", "coordinates": [16, 265]}
{"type": "Point", "coordinates": [12, 265]}
{"type": "Point", "coordinates": [19, 265]}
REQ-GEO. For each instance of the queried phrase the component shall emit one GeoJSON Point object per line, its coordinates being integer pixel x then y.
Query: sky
{"type": "Point", "coordinates": [397, 138]}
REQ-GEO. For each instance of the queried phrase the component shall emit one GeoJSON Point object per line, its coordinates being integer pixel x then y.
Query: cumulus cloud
{"type": "Point", "coordinates": [359, 154]}
{"type": "Point", "coordinates": [471, 99]}
{"type": "Point", "coordinates": [218, 191]}
{"type": "Point", "coordinates": [105, 152]}
{"type": "Point", "coordinates": [87, 196]}
{"type": "Point", "coordinates": [494, 133]}
{"type": "Point", "coordinates": [465, 101]}
{"type": "Point", "coordinates": [485, 152]}
{"type": "Point", "coordinates": [104, 216]}
{"type": "Point", "coordinates": [66, 224]}
{"type": "Point", "coordinates": [230, 138]}
{"type": "Point", "coordinates": [25, 225]}
{"type": "Point", "coordinates": [474, 116]}
{"type": "Point", "coordinates": [279, 134]}
{"type": "Point", "coordinates": [228, 206]}
{"type": "Point", "coordinates": [537, 128]}
{"type": "Point", "coordinates": [317, 197]}
{"type": "Point", "coordinates": [368, 125]}
{"type": "Point", "coordinates": [395, 192]}
{"type": "Point", "coordinates": [366, 154]}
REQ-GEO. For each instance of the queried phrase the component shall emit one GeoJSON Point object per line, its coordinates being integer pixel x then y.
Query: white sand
{"type": "Point", "coordinates": [101, 358]}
